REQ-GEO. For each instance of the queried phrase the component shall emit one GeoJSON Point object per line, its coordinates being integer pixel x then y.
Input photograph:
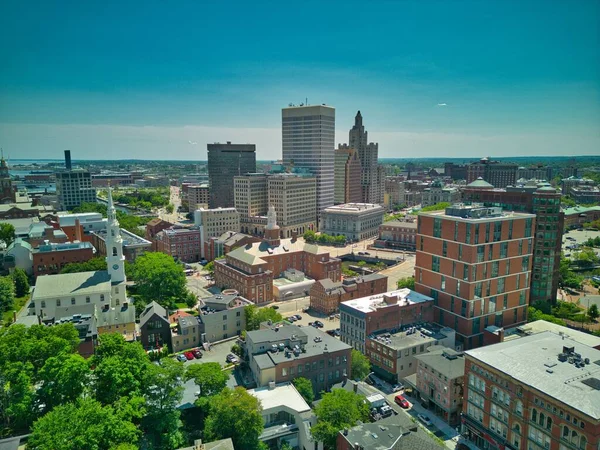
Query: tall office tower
{"type": "Point", "coordinates": [475, 262]}
{"type": "Point", "coordinates": [308, 134]}
{"type": "Point", "coordinates": [224, 162]}
{"type": "Point", "coordinates": [294, 199]}
{"type": "Point", "coordinates": [251, 195]}
{"type": "Point", "coordinates": [372, 174]}
{"type": "Point", "coordinates": [347, 173]}
{"type": "Point", "coordinates": [74, 186]}
{"type": "Point", "coordinates": [542, 200]}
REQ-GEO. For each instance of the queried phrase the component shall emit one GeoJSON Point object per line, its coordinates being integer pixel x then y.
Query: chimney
{"type": "Point", "coordinates": [68, 159]}
{"type": "Point", "coordinates": [78, 236]}
{"type": "Point", "coordinates": [271, 385]}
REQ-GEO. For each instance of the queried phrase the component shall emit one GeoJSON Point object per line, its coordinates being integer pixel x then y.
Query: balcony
{"type": "Point", "coordinates": [277, 430]}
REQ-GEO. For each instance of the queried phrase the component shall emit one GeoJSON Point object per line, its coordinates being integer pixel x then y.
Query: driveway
{"type": "Point", "coordinates": [402, 270]}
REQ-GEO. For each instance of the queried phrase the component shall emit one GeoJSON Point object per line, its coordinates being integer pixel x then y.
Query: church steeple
{"type": "Point", "coordinates": [272, 229]}
{"type": "Point", "coordinates": [115, 261]}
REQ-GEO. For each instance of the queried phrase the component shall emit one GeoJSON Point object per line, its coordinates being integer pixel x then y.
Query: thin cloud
{"type": "Point", "coordinates": [192, 142]}
{"type": "Point", "coordinates": [442, 104]}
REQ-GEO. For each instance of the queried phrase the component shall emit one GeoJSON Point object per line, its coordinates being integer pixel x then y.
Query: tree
{"type": "Point", "coordinates": [7, 293]}
{"type": "Point", "coordinates": [16, 399]}
{"type": "Point", "coordinates": [534, 314]}
{"type": "Point", "coordinates": [63, 379]}
{"type": "Point", "coordinates": [91, 265]}
{"type": "Point", "coordinates": [408, 282]}
{"type": "Point", "coordinates": [190, 299]}
{"type": "Point", "coordinates": [208, 376]}
{"type": "Point", "coordinates": [310, 236]}
{"type": "Point", "coordinates": [84, 425]}
{"type": "Point", "coordinates": [235, 414]}
{"type": "Point", "coordinates": [436, 207]}
{"type": "Point", "coordinates": [160, 278]}
{"type": "Point", "coordinates": [163, 390]}
{"type": "Point", "coordinates": [255, 316]}
{"type": "Point", "coordinates": [305, 388]}
{"type": "Point", "coordinates": [359, 365]}
{"type": "Point", "coordinates": [170, 208]}
{"type": "Point", "coordinates": [586, 257]}
{"type": "Point", "coordinates": [7, 233]}
{"type": "Point", "coordinates": [337, 410]}
{"type": "Point", "coordinates": [593, 312]}
{"type": "Point", "coordinates": [210, 267]}
{"type": "Point", "coordinates": [21, 282]}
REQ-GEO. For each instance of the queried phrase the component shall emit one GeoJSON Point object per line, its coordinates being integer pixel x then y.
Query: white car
{"type": "Point", "coordinates": [423, 418]}
{"type": "Point", "coordinates": [397, 387]}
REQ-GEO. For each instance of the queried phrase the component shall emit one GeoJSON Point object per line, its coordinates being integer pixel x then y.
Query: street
{"type": "Point", "coordinates": [402, 270]}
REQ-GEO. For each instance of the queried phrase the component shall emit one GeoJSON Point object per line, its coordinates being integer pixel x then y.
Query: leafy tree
{"type": "Point", "coordinates": [163, 390]}
{"type": "Point", "coordinates": [534, 314]}
{"type": "Point", "coordinates": [567, 202]}
{"type": "Point", "coordinates": [21, 282]}
{"type": "Point", "coordinates": [85, 425]}
{"type": "Point", "coordinates": [7, 233]}
{"type": "Point", "coordinates": [210, 267]}
{"type": "Point", "coordinates": [254, 316]}
{"type": "Point", "coordinates": [436, 207]}
{"type": "Point", "coordinates": [190, 299]}
{"type": "Point", "coordinates": [359, 365]}
{"type": "Point", "coordinates": [94, 264]}
{"type": "Point", "coordinates": [7, 293]}
{"type": "Point", "coordinates": [63, 379]}
{"type": "Point", "coordinates": [208, 376]}
{"type": "Point", "coordinates": [235, 414]}
{"type": "Point", "coordinates": [408, 282]}
{"type": "Point", "coordinates": [160, 278]}
{"type": "Point", "coordinates": [593, 312]}
{"type": "Point", "coordinates": [16, 398]}
{"type": "Point", "coordinates": [586, 257]}
{"type": "Point", "coordinates": [337, 410]}
{"type": "Point", "coordinates": [310, 236]}
{"type": "Point", "coordinates": [305, 388]}
{"type": "Point", "coordinates": [170, 208]}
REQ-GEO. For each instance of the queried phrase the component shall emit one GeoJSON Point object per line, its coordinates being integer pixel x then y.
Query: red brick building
{"type": "Point", "coordinates": [398, 235]}
{"type": "Point", "coordinates": [182, 244]}
{"type": "Point", "coordinates": [326, 295]}
{"type": "Point", "coordinates": [153, 228]}
{"type": "Point", "coordinates": [218, 246]}
{"type": "Point", "coordinates": [49, 259]}
{"type": "Point", "coordinates": [537, 392]}
{"type": "Point", "coordinates": [475, 262]}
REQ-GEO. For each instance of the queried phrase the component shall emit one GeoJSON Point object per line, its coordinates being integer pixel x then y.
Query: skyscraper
{"type": "Point", "coordinates": [308, 134]}
{"type": "Point", "coordinates": [347, 173]}
{"type": "Point", "coordinates": [74, 186]}
{"type": "Point", "coordinates": [224, 162]}
{"type": "Point", "coordinates": [372, 174]}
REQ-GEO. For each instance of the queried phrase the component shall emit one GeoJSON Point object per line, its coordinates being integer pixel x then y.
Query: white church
{"type": "Point", "coordinates": [100, 293]}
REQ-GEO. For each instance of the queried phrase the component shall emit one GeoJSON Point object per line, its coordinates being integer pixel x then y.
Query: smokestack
{"type": "Point", "coordinates": [78, 236]}
{"type": "Point", "coordinates": [68, 159]}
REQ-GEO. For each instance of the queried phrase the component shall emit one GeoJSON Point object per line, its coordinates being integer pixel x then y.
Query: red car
{"type": "Point", "coordinates": [197, 353]}
{"type": "Point", "coordinates": [189, 355]}
{"type": "Point", "coordinates": [400, 400]}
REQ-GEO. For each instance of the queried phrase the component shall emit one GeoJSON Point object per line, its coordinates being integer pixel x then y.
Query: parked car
{"type": "Point", "coordinates": [197, 353]}
{"type": "Point", "coordinates": [291, 319]}
{"type": "Point", "coordinates": [231, 358]}
{"type": "Point", "coordinates": [397, 387]}
{"type": "Point", "coordinates": [367, 253]}
{"type": "Point", "coordinates": [298, 317]}
{"type": "Point", "coordinates": [386, 411]}
{"type": "Point", "coordinates": [337, 332]}
{"type": "Point", "coordinates": [275, 307]}
{"type": "Point", "coordinates": [318, 324]}
{"type": "Point", "coordinates": [401, 401]}
{"type": "Point", "coordinates": [424, 419]}
{"type": "Point", "coordinates": [361, 253]}
{"type": "Point", "coordinates": [181, 358]}
{"type": "Point", "coordinates": [189, 355]}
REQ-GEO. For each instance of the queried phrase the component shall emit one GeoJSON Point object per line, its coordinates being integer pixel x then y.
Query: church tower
{"type": "Point", "coordinates": [7, 192]}
{"type": "Point", "coordinates": [272, 229]}
{"type": "Point", "coordinates": [115, 261]}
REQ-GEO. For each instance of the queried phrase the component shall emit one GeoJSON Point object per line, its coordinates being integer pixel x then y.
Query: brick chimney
{"type": "Point", "coordinates": [78, 236]}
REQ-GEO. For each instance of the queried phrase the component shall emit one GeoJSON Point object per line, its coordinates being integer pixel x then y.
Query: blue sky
{"type": "Point", "coordinates": [158, 80]}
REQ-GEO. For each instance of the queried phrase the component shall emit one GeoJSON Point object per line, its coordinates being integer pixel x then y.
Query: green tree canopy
{"type": "Point", "coordinates": [337, 410]}
{"type": "Point", "coordinates": [7, 293]}
{"type": "Point", "coordinates": [21, 282]}
{"type": "Point", "coordinates": [436, 207]}
{"type": "Point", "coordinates": [17, 410]}
{"type": "Point", "coordinates": [208, 376]}
{"type": "Point", "coordinates": [359, 365]}
{"type": "Point", "coordinates": [160, 278]}
{"type": "Point", "coordinates": [408, 282]}
{"type": "Point", "coordinates": [91, 265]}
{"type": "Point", "coordinates": [255, 315]}
{"type": "Point", "coordinates": [593, 312]}
{"type": "Point", "coordinates": [235, 414]}
{"type": "Point", "coordinates": [7, 233]}
{"type": "Point", "coordinates": [84, 425]}
{"type": "Point", "coordinates": [305, 388]}
{"type": "Point", "coordinates": [63, 379]}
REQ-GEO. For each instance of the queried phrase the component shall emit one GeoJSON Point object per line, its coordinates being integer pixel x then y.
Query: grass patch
{"type": "Point", "coordinates": [7, 316]}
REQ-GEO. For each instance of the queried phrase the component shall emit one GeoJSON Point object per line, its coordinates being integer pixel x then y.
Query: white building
{"type": "Point", "coordinates": [89, 221]}
{"type": "Point", "coordinates": [215, 222]}
{"type": "Point", "coordinates": [308, 142]}
{"type": "Point", "coordinates": [74, 187]}
{"type": "Point", "coordinates": [356, 221]}
{"type": "Point", "coordinates": [104, 289]}
{"type": "Point", "coordinates": [295, 201]}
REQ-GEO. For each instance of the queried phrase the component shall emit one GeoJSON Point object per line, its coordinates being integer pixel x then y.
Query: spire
{"type": "Point", "coordinates": [115, 260]}
{"type": "Point", "coordinates": [110, 210]}
{"type": "Point", "coordinates": [271, 218]}
{"type": "Point", "coordinates": [358, 119]}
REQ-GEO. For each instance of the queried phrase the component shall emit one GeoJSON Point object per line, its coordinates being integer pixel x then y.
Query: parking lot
{"type": "Point", "coordinates": [577, 237]}
{"type": "Point", "coordinates": [328, 324]}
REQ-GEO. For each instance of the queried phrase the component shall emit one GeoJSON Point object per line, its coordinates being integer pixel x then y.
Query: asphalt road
{"type": "Point", "coordinates": [402, 270]}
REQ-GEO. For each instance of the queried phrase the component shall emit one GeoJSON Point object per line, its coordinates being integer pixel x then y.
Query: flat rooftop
{"type": "Point", "coordinates": [129, 239]}
{"type": "Point", "coordinates": [62, 247]}
{"type": "Point", "coordinates": [540, 326]}
{"type": "Point", "coordinates": [400, 224]}
{"type": "Point", "coordinates": [284, 394]}
{"type": "Point", "coordinates": [534, 361]}
{"type": "Point", "coordinates": [476, 212]}
{"type": "Point", "coordinates": [353, 208]}
{"type": "Point", "coordinates": [412, 336]}
{"type": "Point", "coordinates": [371, 303]}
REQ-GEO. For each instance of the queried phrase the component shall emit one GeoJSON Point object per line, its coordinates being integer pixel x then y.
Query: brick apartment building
{"type": "Point", "coordinates": [400, 235]}
{"type": "Point", "coordinates": [475, 262]}
{"type": "Point", "coordinates": [153, 228]}
{"type": "Point", "coordinates": [215, 247]}
{"type": "Point", "coordinates": [497, 173]}
{"type": "Point", "coordinates": [326, 295]}
{"type": "Point", "coordinates": [390, 311]}
{"type": "Point", "coordinates": [544, 201]}
{"type": "Point", "coordinates": [279, 353]}
{"type": "Point", "coordinates": [49, 259]}
{"type": "Point", "coordinates": [181, 243]}
{"type": "Point", "coordinates": [538, 392]}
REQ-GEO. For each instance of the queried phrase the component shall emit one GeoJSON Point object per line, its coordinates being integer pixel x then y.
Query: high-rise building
{"type": "Point", "coordinates": [295, 201]}
{"type": "Point", "coordinates": [347, 173]}
{"type": "Point", "coordinates": [475, 262]}
{"type": "Point", "coordinates": [537, 392]}
{"type": "Point", "coordinates": [372, 174]}
{"type": "Point", "coordinates": [74, 186]}
{"type": "Point", "coordinates": [498, 174]}
{"type": "Point", "coordinates": [544, 201]}
{"type": "Point", "coordinates": [308, 134]}
{"type": "Point", "coordinates": [224, 162]}
{"type": "Point", "coordinates": [214, 222]}
{"type": "Point", "coordinates": [250, 195]}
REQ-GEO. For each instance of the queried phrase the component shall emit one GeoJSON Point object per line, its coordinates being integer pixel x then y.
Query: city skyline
{"type": "Point", "coordinates": [167, 81]}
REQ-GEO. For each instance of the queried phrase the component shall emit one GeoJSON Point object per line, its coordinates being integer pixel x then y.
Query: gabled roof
{"type": "Point", "coordinates": [152, 309]}
{"type": "Point", "coordinates": [63, 285]}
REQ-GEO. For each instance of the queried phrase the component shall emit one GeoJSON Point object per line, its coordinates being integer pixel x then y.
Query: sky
{"type": "Point", "coordinates": [159, 80]}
